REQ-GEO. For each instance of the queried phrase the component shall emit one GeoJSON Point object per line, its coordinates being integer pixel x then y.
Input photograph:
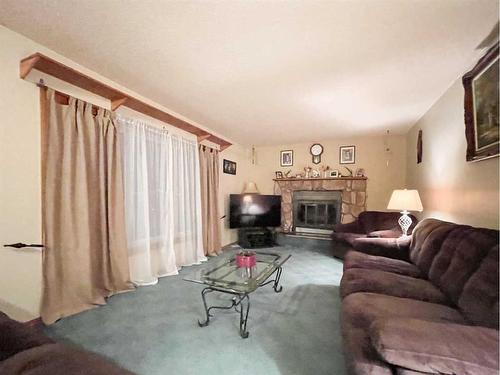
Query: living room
{"type": "Point", "coordinates": [246, 104]}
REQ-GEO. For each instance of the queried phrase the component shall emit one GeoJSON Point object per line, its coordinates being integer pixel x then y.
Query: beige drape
{"type": "Point", "coordinates": [209, 172]}
{"type": "Point", "coordinates": [85, 256]}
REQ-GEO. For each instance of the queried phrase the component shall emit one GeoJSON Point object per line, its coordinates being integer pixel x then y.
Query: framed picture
{"type": "Point", "coordinates": [481, 107]}
{"type": "Point", "coordinates": [286, 158]}
{"type": "Point", "coordinates": [334, 173]}
{"type": "Point", "coordinates": [419, 147]}
{"type": "Point", "coordinates": [279, 174]}
{"type": "Point", "coordinates": [347, 154]}
{"type": "Point", "coordinates": [229, 167]}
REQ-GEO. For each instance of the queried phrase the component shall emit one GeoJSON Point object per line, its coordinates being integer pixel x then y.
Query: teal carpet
{"type": "Point", "coordinates": [154, 329]}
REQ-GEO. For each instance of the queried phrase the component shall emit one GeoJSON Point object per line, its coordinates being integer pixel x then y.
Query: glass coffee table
{"type": "Point", "coordinates": [224, 276]}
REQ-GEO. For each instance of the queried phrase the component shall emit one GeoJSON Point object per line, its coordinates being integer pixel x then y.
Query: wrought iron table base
{"type": "Point", "coordinates": [240, 302]}
{"type": "Point", "coordinates": [277, 288]}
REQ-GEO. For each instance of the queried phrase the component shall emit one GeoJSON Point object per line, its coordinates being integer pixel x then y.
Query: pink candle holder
{"type": "Point", "coordinates": [246, 259]}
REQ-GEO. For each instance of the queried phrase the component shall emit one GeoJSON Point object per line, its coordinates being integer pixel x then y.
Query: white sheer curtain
{"type": "Point", "coordinates": [188, 239]}
{"type": "Point", "coordinates": [162, 201]}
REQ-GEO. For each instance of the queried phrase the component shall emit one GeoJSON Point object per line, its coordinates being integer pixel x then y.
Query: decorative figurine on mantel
{"type": "Point", "coordinates": [325, 170]}
{"type": "Point", "coordinates": [348, 171]}
{"type": "Point", "coordinates": [307, 171]}
{"type": "Point", "coordinates": [287, 173]}
{"type": "Point", "coordinates": [360, 172]}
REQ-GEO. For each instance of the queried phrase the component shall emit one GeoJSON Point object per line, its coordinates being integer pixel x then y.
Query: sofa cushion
{"type": "Point", "coordinates": [356, 259]}
{"type": "Point", "coordinates": [16, 337]}
{"type": "Point", "coordinates": [359, 310]}
{"type": "Point", "coordinates": [420, 237]}
{"type": "Point", "coordinates": [4, 317]}
{"type": "Point", "coordinates": [376, 281]}
{"type": "Point", "coordinates": [436, 347]}
{"type": "Point", "coordinates": [426, 243]}
{"type": "Point", "coordinates": [479, 299]}
{"type": "Point", "coordinates": [461, 253]}
{"type": "Point", "coordinates": [57, 359]}
{"type": "Point", "coordinates": [364, 308]}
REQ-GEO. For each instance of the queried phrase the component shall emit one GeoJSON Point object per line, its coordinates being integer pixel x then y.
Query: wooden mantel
{"type": "Point", "coordinates": [320, 178]}
{"type": "Point", "coordinates": [63, 72]}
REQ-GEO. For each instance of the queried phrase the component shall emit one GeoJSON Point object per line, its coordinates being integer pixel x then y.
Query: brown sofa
{"type": "Point", "coordinates": [25, 350]}
{"type": "Point", "coordinates": [435, 314]}
{"type": "Point", "coordinates": [369, 224]}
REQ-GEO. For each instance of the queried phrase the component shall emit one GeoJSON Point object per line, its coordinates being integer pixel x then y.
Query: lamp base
{"type": "Point", "coordinates": [405, 222]}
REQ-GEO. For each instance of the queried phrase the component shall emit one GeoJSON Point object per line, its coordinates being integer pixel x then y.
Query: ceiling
{"type": "Point", "coordinates": [270, 72]}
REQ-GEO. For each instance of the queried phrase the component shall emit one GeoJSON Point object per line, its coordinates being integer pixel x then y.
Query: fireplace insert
{"type": "Point", "coordinates": [316, 211]}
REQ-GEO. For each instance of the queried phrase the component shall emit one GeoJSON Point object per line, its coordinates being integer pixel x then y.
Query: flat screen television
{"type": "Point", "coordinates": [254, 210]}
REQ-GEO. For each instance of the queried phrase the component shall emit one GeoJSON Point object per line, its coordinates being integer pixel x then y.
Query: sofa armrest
{"type": "Point", "coordinates": [59, 359]}
{"type": "Point", "coordinates": [387, 233]}
{"type": "Point", "coordinates": [436, 347]}
{"type": "Point", "coordinates": [396, 248]}
{"type": "Point", "coordinates": [16, 337]}
{"type": "Point", "coordinates": [348, 228]}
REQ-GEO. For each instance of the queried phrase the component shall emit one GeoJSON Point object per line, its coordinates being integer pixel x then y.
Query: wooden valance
{"type": "Point", "coordinates": [63, 72]}
{"type": "Point", "coordinates": [319, 178]}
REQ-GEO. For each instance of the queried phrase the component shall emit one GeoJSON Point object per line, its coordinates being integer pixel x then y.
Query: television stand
{"type": "Point", "coordinates": [251, 238]}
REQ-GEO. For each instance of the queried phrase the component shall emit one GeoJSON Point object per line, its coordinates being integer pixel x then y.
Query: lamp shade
{"type": "Point", "coordinates": [405, 200]}
{"type": "Point", "coordinates": [250, 188]}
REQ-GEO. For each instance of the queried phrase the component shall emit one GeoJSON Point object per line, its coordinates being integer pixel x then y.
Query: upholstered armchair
{"type": "Point", "coordinates": [370, 224]}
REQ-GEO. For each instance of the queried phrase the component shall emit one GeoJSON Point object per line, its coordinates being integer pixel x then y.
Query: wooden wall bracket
{"type": "Point", "coordinates": [117, 103]}
{"type": "Point", "coordinates": [201, 138]}
{"type": "Point", "coordinates": [63, 72]}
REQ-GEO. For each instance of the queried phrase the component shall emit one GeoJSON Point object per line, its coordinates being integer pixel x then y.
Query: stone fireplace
{"type": "Point", "coordinates": [342, 200]}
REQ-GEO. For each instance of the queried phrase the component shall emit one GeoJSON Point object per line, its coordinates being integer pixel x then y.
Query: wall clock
{"type": "Point", "coordinates": [316, 151]}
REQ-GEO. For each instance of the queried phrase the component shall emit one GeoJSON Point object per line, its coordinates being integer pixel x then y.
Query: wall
{"type": "Point", "coordinates": [451, 188]}
{"type": "Point", "coordinates": [385, 169]}
{"type": "Point", "coordinates": [20, 201]}
{"type": "Point", "coordinates": [234, 184]}
{"type": "Point", "coordinates": [20, 210]}
{"type": "Point", "coordinates": [443, 183]}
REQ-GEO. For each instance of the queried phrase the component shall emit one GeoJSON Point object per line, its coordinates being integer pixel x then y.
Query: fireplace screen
{"type": "Point", "coordinates": [316, 215]}
{"type": "Point", "coordinates": [319, 210]}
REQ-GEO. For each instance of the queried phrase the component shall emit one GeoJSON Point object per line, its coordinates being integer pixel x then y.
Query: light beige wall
{"type": "Point", "coordinates": [234, 184]}
{"type": "Point", "coordinates": [20, 271]}
{"type": "Point", "coordinates": [451, 188]}
{"type": "Point", "coordinates": [385, 169]}
{"type": "Point", "coordinates": [20, 203]}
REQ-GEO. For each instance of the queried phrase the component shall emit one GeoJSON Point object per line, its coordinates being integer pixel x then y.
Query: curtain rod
{"type": "Point", "coordinates": [63, 98]}
{"type": "Point", "coordinates": [139, 121]}
{"type": "Point", "coordinates": [41, 84]}
{"type": "Point", "coordinates": [208, 146]}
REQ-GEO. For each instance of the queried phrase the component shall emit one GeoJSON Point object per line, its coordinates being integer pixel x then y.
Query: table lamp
{"type": "Point", "coordinates": [250, 188]}
{"type": "Point", "coordinates": [405, 201]}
